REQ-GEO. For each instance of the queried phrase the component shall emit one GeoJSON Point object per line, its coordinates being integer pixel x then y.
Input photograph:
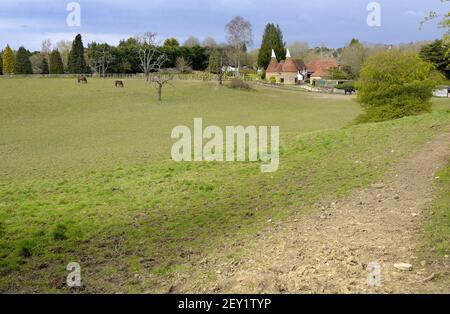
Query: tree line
{"type": "Point", "coordinates": [102, 58]}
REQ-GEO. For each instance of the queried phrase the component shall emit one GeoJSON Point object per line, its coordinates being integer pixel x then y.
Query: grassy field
{"type": "Point", "coordinates": [55, 126]}
{"type": "Point", "coordinates": [86, 175]}
{"type": "Point", "coordinates": [438, 230]}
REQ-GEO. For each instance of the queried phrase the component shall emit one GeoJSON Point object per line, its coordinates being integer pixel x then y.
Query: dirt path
{"type": "Point", "coordinates": [328, 251]}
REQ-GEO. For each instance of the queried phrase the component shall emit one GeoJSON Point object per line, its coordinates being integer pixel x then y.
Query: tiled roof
{"type": "Point", "coordinates": [288, 65]}
{"type": "Point", "coordinates": [321, 67]}
{"type": "Point", "coordinates": [273, 65]}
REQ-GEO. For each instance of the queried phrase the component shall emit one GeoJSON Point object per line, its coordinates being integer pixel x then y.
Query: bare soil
{"type": "Point", "coordinates": [329, 249]}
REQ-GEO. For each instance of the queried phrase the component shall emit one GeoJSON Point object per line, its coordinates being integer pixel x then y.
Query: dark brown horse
{"type": "Point", "coordinates": [119, 84]}
{"type": "Point", "coordinates": [82, 79]}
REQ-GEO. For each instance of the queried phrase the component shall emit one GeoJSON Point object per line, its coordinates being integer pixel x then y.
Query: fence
{"type": "Point", "coordinates": [181, 77]}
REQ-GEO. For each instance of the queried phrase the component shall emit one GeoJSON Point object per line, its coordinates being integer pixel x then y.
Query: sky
{"type": "Point", "coordinates": [329, 22]}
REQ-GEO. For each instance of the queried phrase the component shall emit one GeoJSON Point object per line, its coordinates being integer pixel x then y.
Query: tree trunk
{"type": "Point", "coordinates": [159, 92]}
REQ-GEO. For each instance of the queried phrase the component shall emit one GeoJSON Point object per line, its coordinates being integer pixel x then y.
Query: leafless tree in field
{"type": "Point", "coordinates": [148, 54]}
{"type": "Point", "coordinates": [152, 62]}
{"type": "Point", "coordinates": [239, 35]}
{"type": "Point", "coordinates": [159, 77]}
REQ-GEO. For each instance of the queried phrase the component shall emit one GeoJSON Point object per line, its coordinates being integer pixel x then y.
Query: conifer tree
{"type": "Point", "coordinates": [272, 39]}
{"type": "Point", "coordinates": [77, 62]}
{"type": "Point", "coordinates": [56, 63]}
{"type": "Point", "coordinates": [8, 61]}
{"type": "Point", "coordinates": [23, 63]}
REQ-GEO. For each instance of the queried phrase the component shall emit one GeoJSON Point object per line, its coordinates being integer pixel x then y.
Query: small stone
{"type": "Point", "coordinates": [423, 263]}
{"type": "Point", "coordinates": [269, 221]}
{"type": "Point", "coordinates": [403, 266]}
{"type": "Point", "coordinates": [378, 186]}
{"type": "Point", "coordinates": [414, 214]}
{"type": "Point", "coordinates": [396, 197]}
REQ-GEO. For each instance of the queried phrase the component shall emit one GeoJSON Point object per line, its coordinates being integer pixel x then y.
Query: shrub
{"type": "Point", "coordinates": [393, 85]}
{"type": "Point", "coordinates": [346, 85]}
{"type": "Point", "coordinates": [239, 84]}
{"type": "Point", "coordinates": [263, 74]}
{"type": "Point", "coordinates": [272, 80]}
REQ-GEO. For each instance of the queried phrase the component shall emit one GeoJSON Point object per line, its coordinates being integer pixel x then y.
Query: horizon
{"type": "Point", "coordinates": [27, 23]}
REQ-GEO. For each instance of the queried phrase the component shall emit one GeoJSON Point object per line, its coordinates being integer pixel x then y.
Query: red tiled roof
{"type": "Point", "coordinates": [288, 65]}
{"type": "Point", "coordinates": [273, 65]}
{"type": "Point", "coordinates": [321, 67]}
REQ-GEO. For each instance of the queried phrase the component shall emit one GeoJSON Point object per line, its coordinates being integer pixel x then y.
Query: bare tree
{"type": "Point", "coordinates": [152, 62]}
{"type": "Point", "coordinates": [239, 36]}
{"type": "Point", "coordinates": [191, 42]}
{"type": "Point", "coordinates": [209, 42]}
{"type": "Point", "coordinates": [182, 65]}
{"type": "Point", "coordinates": [64, 47]}
{"type": "Point", "coordinates": [158, 77]}
{"type": "Point", "coordinates": [218, 63]}
{"type": "Point", "coordinates": [46, 48]}
{"type": "Point", "coordinates": [150, 59]}
{"type": "Point", "coordinates": [100, 57]}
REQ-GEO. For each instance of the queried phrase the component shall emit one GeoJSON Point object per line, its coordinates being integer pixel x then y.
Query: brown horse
{"type": "Point", "coordinates": [82, 79]}
{"type": "Point", "coordinates": [119, 84]}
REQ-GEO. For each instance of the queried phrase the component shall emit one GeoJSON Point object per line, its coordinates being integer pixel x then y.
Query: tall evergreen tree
{"type": "Point", "coordinates": [45, 69]}
{"type": "Point", "coordinates": [77, 62]}
{"type": "Point", "coordinates": [8, 60]}
{"type": "Point", "coordinates": [272, 39]}
{"type": "Point", "coordinates": [1, 64]}
{"type": "Point", "coordinates": [56, 63]}
{"type": "Point", "coordinates": [437, 54]}
{"type": "Point", "coordinates": [23, 63]}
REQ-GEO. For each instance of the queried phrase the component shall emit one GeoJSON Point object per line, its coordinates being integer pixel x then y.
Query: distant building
{"type": "Point", "coordinates": [289, 71]}
{"type": "Point", "coordinates": [320, 69]}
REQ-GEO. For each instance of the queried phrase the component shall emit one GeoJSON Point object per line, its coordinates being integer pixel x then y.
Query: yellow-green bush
{"type": "Point", "coordinates": [393, 85]}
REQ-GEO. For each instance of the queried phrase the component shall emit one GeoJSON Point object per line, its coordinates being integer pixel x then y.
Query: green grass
{"type": "Point", "coordinates": [438, 230]}
{"type": "Point", "coordinates": [50, 127]}
{"type": "Point", "coordinates": [91, 181]}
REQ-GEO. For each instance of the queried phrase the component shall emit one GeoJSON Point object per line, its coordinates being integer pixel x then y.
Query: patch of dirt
{"type": "Point", "coordinates": [329, 250]}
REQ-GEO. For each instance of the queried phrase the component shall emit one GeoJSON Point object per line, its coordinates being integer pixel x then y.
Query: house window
{"type": "Point", "coordinates": [281, 80]}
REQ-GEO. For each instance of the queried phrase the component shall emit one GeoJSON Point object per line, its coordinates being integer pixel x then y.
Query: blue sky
{"type": "Point", "coordinates": [332, 22]}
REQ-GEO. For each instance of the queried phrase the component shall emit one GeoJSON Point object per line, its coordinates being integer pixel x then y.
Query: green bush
{"type": "Point", "coordinates": [393, 85]}
{"type": "Point", "coordinates": [346, 85]}
{"type": "Point", "coordinates": [272, 80]}
{"type": "Point", "coordinates": [239, 84]}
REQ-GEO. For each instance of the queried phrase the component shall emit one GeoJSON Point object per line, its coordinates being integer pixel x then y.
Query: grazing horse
{"type": "Point", "coordinates": [82, 79]}
{"type": "Point", "coordinates": [119, 84]}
